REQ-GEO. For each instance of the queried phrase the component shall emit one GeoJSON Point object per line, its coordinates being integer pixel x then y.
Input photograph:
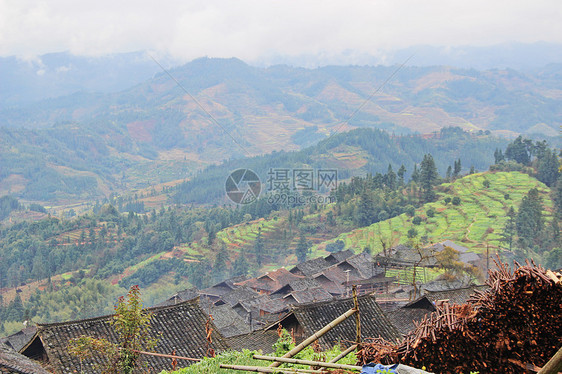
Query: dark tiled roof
{"type": "Point", "coordinates": [337, 274]}
{"type": "Point", "coordinates": [403, 255]}
{"type": "Point", "coordinates": [464, 253]}
{"type": "Point", "coordinates": [312, 317]}
{"type": "Point", "coordinates": [187, 294]}
{"type": "Point", "coordinates": [379, 278]}
{"type": "Point", "coordinates": [180, 327]}
{"type": "Point", "coordinates": [271, 281]}
{"type": "Point", "coordinates": [363, 263]}
{"type": "Point", "coordinates": [448, 243]}
{"type": "Point", "coordinates": [228, 322]}
{"type": "Point", "coordinates": [216, 290]}
{"type": "Point", "coordinates": [272, 306]}
{"type": "Point", "coordinates": [310, 295]}
{"type": "Point", "coordinates": [253, 304]}
{"type": "Point", "coordinates": [403, 318]}
{"type": "Point", "coordinates": [20, 339]}
{"type": "Point", "coordinates": [223, 287]}
{"type": "Point", "coordinates": [255, 341]}
{"type": "Point", "coordinates": [311, 267]}
{"type": "Point", "coordinates": [340, 256]}
{"type": "Point", "coordinates": [14, 363]}
{"type": "Point", "coordinates": [296, 285]}
{"type": "Point", "coordinates": [456, 296]}
{"type": "Point", "coordinates": [469, 257]}
{"type": "Point", "coordinates": [442, 284]}
{"type": "Point", "coordinates": [334, 288]}
{"type": "Point", "coordinates": [421, 302]}
{"type": "Point", "coordinates": [239, 294]}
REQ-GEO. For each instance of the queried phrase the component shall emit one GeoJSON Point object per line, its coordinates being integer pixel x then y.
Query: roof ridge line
{"type": "Point", "coordinates": [107, 316]}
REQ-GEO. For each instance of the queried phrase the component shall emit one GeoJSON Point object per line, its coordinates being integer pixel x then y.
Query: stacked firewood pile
{"type": "Point", "coordinates": [513, 326]}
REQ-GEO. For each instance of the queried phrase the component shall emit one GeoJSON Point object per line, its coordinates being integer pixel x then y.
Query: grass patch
{"type": "Point", "coordinates": [475, 223]}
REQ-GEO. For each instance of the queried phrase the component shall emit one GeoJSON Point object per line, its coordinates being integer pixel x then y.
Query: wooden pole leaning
{"type": "Point", "coordinates": [316, 336]}
{"type": "Point", "coordinates": [554, 365]}
{"type": "Point", "coordinates": [357, 318]}
{"type": "Point", "coordinates": [265, 369]}
{"type": "Point", "coordinates": [330, 365]}
{"type": "Point", "coordinates": [344, 353]}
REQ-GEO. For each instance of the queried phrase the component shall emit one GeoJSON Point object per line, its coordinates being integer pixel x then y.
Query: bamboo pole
{"type": "Point", "coordinates": [554, 365]}
{"type": "Point", "coordinates": [262, 369]}
{"type": "Point", "coordinates": [330, 365]}
{"type": "Point", "coordinates": [316, 335]}
{"type": "Point", "coordinates": [357, 318]}
{"type": "Point", "coordinates": [344, 353]}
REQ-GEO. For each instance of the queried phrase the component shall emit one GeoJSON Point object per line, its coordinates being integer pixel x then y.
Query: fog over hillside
{"type": "Point", "coordinates": [25, 80]}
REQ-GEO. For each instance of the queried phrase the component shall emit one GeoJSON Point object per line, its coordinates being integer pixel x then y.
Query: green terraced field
{"type": "Point", "coordinates": [241, 235]}
{"type": "Point", "coordinates": [475, 223]}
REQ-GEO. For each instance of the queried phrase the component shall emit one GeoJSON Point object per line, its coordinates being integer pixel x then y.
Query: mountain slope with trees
{"type": "Point", "coordinates": [66, 264]}
{"type": "Point", "coordinates": [103, 143]}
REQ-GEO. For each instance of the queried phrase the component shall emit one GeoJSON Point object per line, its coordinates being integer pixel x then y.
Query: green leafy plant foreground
{"type": "Point", "coordinates": [132, 325]}
{"type": "Point", "coordinates": [282, 346]}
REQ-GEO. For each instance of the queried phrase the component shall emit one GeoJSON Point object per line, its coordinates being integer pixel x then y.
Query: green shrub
{"type": "Point", "coordinates": [282, 346]}
{"type": "Point", "coordinates": [412, 233]}
{"type": "Point", "coordinates": [410, 210]}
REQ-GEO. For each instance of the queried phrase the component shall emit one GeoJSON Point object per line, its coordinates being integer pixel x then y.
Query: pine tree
{"type": "Point", "coordinates": [401, 172]}
{"type": "Point", "coordinates": [548, 168]}
{"type": "Point", "coordinates": [92, 236]}
{"type": "Point", "coordinates": [15, 309]}
{"type": "Point", "coordinates": [390, 178]}
{"type": "Point", "coordinates": [428, 178]}
{"type": "Point", "coordinates": [529, 220]}
{"type": "Point", "coordinates": [365, 213]}
{"type": "Point", "coordinates": [219, 268]}
{"type": "Point", "coordinates": [415, 174]}
{"type": "Point", "coordinates": [557, 198]}
{"type": "Point", "coordinates": [301, 251]}
{"type": "Point", "coordinates": [330, 218]}
{"type": "Point", "coordinates": [509, 229]}
{"type": "Point", "coordinates": [259, 248]}
{"type": "Point", "coordinates": [212, 235]}
{"type": "Point", "coordinates": [457, 167]}
{"type": "Point", "coordinates": [498, 156]}
{"type": "Point", "coordinates": [552, 234]}
{"type": "Point", "coordinates": [519, 151]}
{"type": "Point", "coordinates": [241, 266]}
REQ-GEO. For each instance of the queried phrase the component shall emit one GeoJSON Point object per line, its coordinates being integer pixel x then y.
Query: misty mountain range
{"type": "Point", "coordinates": [59, 74]}
{"type": "Point", "coordinates": [150, 130]}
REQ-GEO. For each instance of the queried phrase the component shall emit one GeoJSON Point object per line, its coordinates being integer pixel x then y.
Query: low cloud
{"type": "Point", "coordinates": [261, 30]}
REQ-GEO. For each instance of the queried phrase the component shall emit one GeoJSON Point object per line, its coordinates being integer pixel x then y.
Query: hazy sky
{"type": "Point", "coordinates": [254, 30]}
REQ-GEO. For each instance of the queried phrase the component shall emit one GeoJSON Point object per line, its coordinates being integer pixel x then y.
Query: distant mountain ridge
{"type": "Point", "coordinates": [156, 131]}
{"type": "Point", "coordinates": [59, 74]}
{"type": "Point", "coordinates": [512, 55]}
{"type": "Point", "coordinates": [30, 79]}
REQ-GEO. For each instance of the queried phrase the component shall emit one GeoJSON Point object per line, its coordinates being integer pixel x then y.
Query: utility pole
{"type": "Point", "coordinates": [347, 282]}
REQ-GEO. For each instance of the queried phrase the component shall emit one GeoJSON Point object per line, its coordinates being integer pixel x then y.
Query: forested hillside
{"type": "Point", "coordinates": [354, 153]}
{"type": "Point", "coordinates": [61, 268]}
{"type": "Point", "coordinates": [89, 145]}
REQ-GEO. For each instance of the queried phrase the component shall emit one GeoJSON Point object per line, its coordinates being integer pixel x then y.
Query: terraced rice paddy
{"type": "Point", "coordinates": [477, 222]}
